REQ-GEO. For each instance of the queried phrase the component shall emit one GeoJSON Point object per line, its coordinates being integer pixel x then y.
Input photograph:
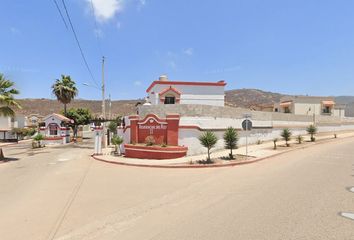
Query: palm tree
{"type": "Point", "coordinates": [286, 135]}
{"type": "Point", "coordinates": [312, 130]}
{"type": "Point", "coordinates": [208, 140]}
{"type": "Point", "coordinates": [65, 90]}
{"type": "Point", "coordinates": [231, 139]}
{"type": "Point", "coordinates": [7, 100]}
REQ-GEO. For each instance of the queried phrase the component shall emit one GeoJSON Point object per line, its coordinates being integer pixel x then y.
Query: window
{"type": "Point", "coordinates": [327, 109]}
{"type": "Point", "coordinates": [53, 129]}
{"type": "Point", "coordinates": [170, 100]}
{"type": "Point", "coordinates": [287, 110]}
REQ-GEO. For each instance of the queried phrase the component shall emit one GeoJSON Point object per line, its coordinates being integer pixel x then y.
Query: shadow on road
{"type": "Point", "coordinates": [7, 159]}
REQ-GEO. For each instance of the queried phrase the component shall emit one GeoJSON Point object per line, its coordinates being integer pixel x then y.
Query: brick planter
{"type": "Point", "coordinates": [154, 152]}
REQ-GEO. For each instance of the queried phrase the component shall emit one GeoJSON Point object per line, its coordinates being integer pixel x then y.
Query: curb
{"type": "Point", "coordinates": [216, 166]}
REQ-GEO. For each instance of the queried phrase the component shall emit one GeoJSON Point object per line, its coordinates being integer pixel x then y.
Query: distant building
{"type": "Point", "coordinates": [164, 91]}
{"type": "Point", "coordinates": [7, 124]}
{"type": "Point", "coordinates": [33, 120]}
{"type": "Point", "coordinates": [306, 105]}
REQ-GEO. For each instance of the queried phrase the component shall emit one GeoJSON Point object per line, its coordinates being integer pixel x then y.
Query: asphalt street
{"type": "Point", "coordinates": [61, 193]}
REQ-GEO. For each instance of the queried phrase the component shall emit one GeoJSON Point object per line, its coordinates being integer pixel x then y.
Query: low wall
{"type": "Point", "coordinates": [196, 119]}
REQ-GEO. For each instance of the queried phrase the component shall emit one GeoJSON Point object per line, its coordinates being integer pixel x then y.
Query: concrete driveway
{"type": "Point", "coordinates": [64, 194]}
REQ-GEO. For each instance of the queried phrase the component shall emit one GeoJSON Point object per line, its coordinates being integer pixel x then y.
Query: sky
{"type": "Point", "coordinates": [286, 46]}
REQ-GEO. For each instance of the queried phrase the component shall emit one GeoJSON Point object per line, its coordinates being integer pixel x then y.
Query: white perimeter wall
{"type": "Point", "coordinates": [263, 131]}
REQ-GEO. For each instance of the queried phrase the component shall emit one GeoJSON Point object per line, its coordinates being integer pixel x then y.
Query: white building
{"type": "Point", "coordinates": [55, 128]}
{"type": "Point", "coordinates": [7, 124]}
{"type": "Point", "coordinates": [164, 91]}
{"type": "Point", "coordinates": [306, 105]}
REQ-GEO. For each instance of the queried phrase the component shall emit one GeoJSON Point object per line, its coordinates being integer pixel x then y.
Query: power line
{"type": "Point", "coordinates": [78, 43]}
{"type": "Point", "coordinates": [61, 14]}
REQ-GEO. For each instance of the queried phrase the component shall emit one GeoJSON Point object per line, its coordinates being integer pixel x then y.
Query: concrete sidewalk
{"type": "Point", "coordinates": [255, 153]}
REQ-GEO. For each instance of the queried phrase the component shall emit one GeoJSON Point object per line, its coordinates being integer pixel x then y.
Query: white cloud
{"type": "Point", "coordinates": [106, 9]}
{"type": "Point", "coordinates": [14, 31]}
{"type": "Point", "coordinates": [137, 83]}
{"type": "Point", "coordinates": [188, 51]}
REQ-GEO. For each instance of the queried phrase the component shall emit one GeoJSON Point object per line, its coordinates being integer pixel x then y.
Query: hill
{"type": "Point", "coordinates": [248, 98]}
{"type": "Point", "coordinates": [46, 106]}
{"type": "Point", "coordinates": [244, 98]}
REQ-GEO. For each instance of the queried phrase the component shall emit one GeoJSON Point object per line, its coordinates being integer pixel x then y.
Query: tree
{"type": "Point", "coordinates": [312, 130]}
{"type": "Point", "coordinates": [65, 90]}
{"type": "Point", "coordinates": [286, 135]}
{"type": "Point", "coordinates": [112, 126]}
{"type": "Point", "coordinates": [208, 140]}
{"type": "Point", "coordinates": [117, 141]}
{"type": "Point", "coordinates": [299, 139]}
{"type": "Point", "coordinates": [20, 132]}
{"type": "Point", "coordinates": [231, 139]}
{"type": "Point", "coordinates": [80, 116]}
{"type": "Point", "coordinates": [7, 100]}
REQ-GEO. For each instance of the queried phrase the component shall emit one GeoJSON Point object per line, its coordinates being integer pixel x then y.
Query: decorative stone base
{"type": "Point", "coordinates": [154, 152]}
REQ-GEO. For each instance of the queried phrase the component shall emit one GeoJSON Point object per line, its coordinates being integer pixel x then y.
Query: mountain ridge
{"type": "Point", "coordinates": [245, 98]}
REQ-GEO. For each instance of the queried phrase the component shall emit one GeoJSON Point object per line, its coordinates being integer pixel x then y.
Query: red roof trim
{"type": "Point", "coordinates": [220, 83]}
{"type": "Point", "coordinates": [170, 89]}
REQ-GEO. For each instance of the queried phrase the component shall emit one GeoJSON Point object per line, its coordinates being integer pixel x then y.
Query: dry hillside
{"type": "Point", "coordinates": [245, 98]}
{"type": "Point", "coordinates": [47, 106]}
{"type": "Point", "coordinates": [248, 98]}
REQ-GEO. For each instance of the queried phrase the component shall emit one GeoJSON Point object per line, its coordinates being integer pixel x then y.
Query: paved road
{"type": "Point", "coordinates": [65, 195]}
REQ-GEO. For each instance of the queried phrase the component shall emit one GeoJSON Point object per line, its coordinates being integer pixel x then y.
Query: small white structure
{"type": "Point", "coordinates": [164, 91]}
{"type": "Point", "coordinates": [306, 105]}
{"type": "Point", "coordinates": [7, 124]}
{"type": "Point", "coordinates": [55, 128]}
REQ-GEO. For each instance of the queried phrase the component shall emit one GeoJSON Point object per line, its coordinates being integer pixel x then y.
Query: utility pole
{"type": "Point", "coordinates": [103, 92]}
{"type": "Point", "coordinates": [103, 106]}
{"type": "Point", "coordinates": [110, 107]}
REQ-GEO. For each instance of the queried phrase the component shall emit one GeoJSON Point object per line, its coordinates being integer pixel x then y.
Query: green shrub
{"type": "Point", "coordinates": [275, 140]}
{"type": "Point", "coordinates": [286, 135]}
{"type": "Point", "coordinates": [299, 139]}
{"type": "Point", "coordinates": [231, 139]}
{"type": "Point", "coordinates": [117, 141]}
{"type": "Point", "coordinates": [312, 130]}
{"type": "Point", "coordinates": [38, 138]}
{"type": "Point", "coordinates": [208, 140]}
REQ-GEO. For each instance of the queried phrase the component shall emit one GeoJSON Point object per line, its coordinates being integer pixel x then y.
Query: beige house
{"type": "Point", "coordinates": [33, 120]}
{"type": "Point", "coordinates": [305, 105]}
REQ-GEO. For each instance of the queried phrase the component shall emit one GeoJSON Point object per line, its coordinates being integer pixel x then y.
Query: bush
{"type": "Point", "coordinates": [299, 139]}
{"type": "Point", "coordinates": [37, 139]}
{"type": "Point", "coordinates": [312, 130]}
{"type": "Point", "coordinates": [275, 140]}
{"type": "Point", "coordinates": [209, 141]}
{"type": "Point", "coordinates": [286, 135]}
{"type": "Point", "coordinates": [31, 132]}
{"type": "Point", "coordinates": [117, 141]}
{"type": "Point", "coordinates": [231, 139]}
{"type": "Point", "coordinates": [150, 141]}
